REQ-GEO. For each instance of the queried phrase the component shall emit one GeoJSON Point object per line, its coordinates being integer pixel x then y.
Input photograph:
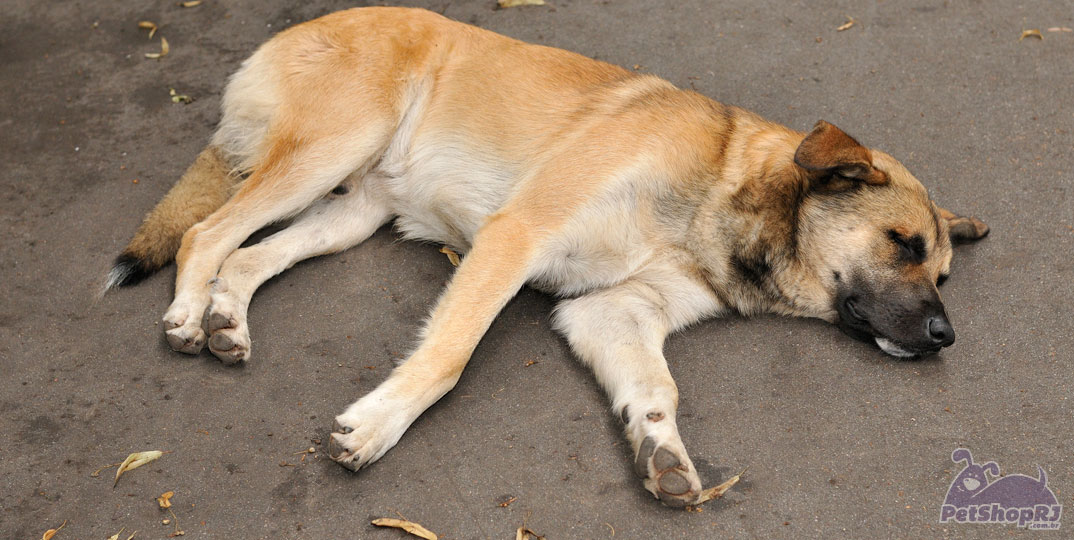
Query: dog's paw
{"type": "Point", "coordinates": [667, 472]}
{"type": "Point", "coordinates": [229, 335]}
{"type": "Point", "coordinates": [183, 327]}
{"type": "Point", "coordinates": [367, 430]}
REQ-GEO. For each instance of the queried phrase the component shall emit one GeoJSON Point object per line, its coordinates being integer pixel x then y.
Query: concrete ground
{"type": "Point", "coordinates": [840, 440]}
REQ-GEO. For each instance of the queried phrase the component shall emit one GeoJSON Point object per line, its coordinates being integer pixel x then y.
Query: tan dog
{"type": "Point", "coordinates": [647, 207]}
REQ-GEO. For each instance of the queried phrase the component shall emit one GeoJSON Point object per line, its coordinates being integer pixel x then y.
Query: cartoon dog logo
{"type": "Point", "coordinates": [1014, 498]}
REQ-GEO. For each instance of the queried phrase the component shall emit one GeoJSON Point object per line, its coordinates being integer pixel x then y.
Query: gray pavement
{"type": "Point", "coordinates": [840, 441]}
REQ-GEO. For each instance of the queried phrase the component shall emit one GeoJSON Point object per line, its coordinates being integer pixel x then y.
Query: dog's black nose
{"type": "Point", "coordinates": [940, 331]}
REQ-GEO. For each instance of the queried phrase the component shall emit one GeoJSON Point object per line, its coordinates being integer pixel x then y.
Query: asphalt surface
{"type": "Point", "coordinates": [840, 440]}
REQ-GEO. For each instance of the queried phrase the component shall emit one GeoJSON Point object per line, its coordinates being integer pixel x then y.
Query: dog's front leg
{"type": "Point", "coordinates": [492, 272]}
{"type": "Point", "coordinates": [619, 332]}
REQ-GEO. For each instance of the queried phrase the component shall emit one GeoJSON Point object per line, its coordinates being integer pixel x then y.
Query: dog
{"type": "Point", "coordinates": [643, 206]}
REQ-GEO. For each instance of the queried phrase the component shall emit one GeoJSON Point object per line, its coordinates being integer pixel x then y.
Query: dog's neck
{"type": "Point", "coordinates": [746, 244]}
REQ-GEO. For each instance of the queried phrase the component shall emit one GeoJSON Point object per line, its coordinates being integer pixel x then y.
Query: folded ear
{"type": "Point", "coordinates": [963, 229]}
{"type": "Point", "coordinates": [829, 150]}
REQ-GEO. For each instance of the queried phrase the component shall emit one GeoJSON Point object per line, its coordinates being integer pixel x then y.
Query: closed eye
{"type": "Point", "coordinates": [911, 248]}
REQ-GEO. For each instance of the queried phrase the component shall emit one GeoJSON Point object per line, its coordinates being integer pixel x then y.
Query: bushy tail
{"type": "Point", "coordinates": [203, 188]}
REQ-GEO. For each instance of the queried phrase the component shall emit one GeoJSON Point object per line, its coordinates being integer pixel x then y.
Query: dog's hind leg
{"type": "Point", "coordinates": [332, 224]}
{"type": "Point", "coordinates": [619, 333]}
{"type": "Point", "coordinates": [296, 171]}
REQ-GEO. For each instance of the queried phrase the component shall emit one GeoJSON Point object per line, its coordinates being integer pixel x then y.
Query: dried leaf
{"type": "Point", "coordinates": [846, 26]}
{"type": "Point", "coordinates": [136, 460]}
{"type": "Point", "coordinates": [516, 3]}
{"type": "Point", "coordinates": [408, 526]}
{"type": "Point", "coordinates": [97, 473]}
{"type": "Point", "coordinates": [165, 499]}
{"type": "Point", "coordinates": [192, 3]}
{"type": "Point", "coordinates": [1060, 29]}
{"type": "Point", "coordinates": [1031, 33]}
{"type": "Point", "coordinates": [131, 537]}
{"type": "Point", "coordinates": [178, 531]}
{"type": "Point", "coordinates": [116, 536]}
{"type": "Point", "coordinates": [508, 502]}
{"type": "Point", "coordinates": [182, 98]}
{"type": "Point", "coordinates": [718, 491]}
{"type": "Point", "coordinates": [523, 533]}
{"type": "Point", "coordinates": [148, 25]}
{"type": "Point", "coordinates": [451, 255]}
{"type": "Point", "coordinates": [52, 532]}
{"type": "Point", "coordinates": [163, 50]}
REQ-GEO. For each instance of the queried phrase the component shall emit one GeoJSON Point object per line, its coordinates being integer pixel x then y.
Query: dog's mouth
{"type": "Point", "coordinates": [854, 323]}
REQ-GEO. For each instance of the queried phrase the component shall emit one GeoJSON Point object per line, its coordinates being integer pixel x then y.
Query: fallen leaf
{"type": "Point", "coordinates": [183, 98]}
{"type": "Point", "coordinates": [516, 3]}
{"type": "Point", "coordinates": [192, 3]}
{"type": "Point", "coordinates": [508, 502]}
{"type": "Point", "coordinates": [1030, 33]}
{"type": "Point", "coordinates": [523, 533]}
{"type": "Point", "coordinates": [136, 460]}
{"type": "Point", "coordinates": [165, 499]}
{"type": "Point", "coordinates": [97, 473]}
{"type": "Point", "coordinates": [451, 255]}
{"type": "Point", "coordinates": [52, 532]}
{"type": "Point", "coordinates": [718, 491]}
{"type": "Point", "coordinates": [131, 537]}
{"type": "Point", "coordinates": [116, 536]}
{"type": "Point", "coordinates": [1060, 29]}
{"type": "Point", "coordinates": [408, 526]}
{"type": "Point", "coordinates": [846, 26]}
{"type": "Point", "coordinates": [163, 50]}
{"type": "Point", "coordinates": [148, 25]}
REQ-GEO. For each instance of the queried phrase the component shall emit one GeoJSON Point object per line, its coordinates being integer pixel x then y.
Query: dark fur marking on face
{"type": "Point", "coordinates": [942, 279]}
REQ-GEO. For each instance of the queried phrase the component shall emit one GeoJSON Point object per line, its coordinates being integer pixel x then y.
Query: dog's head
{"type": "Point", "coordinates": [876, 242]}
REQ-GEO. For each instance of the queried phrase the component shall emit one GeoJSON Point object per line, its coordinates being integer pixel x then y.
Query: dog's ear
{"type": "Point", "coordinates": [828, 150]}
{"type": "Point", "coordinates": [963, 229]}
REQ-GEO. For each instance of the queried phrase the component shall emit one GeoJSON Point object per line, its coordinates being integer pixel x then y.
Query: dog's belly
{"type": "Point", "coordinates": [447, 196]}
{"type": "Point", "coordinates": [442, 193]}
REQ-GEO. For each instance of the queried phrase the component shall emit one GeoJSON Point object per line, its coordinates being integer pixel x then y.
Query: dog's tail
{"type": "Point", "coordinates": [202, 189]}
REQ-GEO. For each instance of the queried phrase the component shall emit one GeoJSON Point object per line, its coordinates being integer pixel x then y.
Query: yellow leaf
{"type": "Point", "coordinates": [136, 460]}
{"type": "Point", "coordinates": [192, 3]}
{"type": "Point", "coordinates": [717, 491]}
{"type": "Point", "coordinates": [451, 255]}
{"type": "Point", "coordinates": [148, 25]}
{"type": "Point", "coordinates": [164, 500]}
{"type": "Point", "coordinates": [179, 98]}
{"type": "Point", "coordinates": [523, 534]}
{"type": "Point", "coordinates": [116, 536]}
{"type": "Point", "coordinates": [52, 532]}
{"type": "Point", "coordinates": [516, 3]}
{"type": "Point", "coordinates": [164, 48]}
{"type": "Point", "coordinates": [1031, 33]}
{"type": "Point", "coordinates": [408, 526]}
{"type": "Point", "coordinates": [846, 26]}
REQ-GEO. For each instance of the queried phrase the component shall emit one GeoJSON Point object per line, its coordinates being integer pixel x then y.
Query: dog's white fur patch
{"type": "Point", "coordinates": [891, 348]}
